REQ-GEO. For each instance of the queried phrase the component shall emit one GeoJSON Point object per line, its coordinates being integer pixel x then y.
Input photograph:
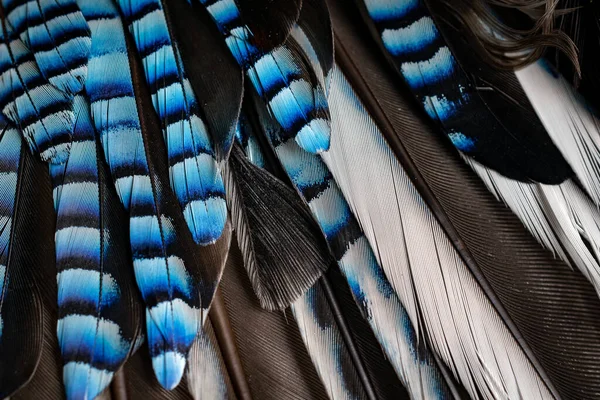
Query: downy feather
{"type": "Point", "coordinates": [283, 77]}
{"type": "Point", "coordinates": [193, 171]}
{"type": "Point", "coordinates": [99, 316]}
{"type": "Point", "coordinates": [478, 118]}
{"type": "Point", "coordinates": [177, 278]}
{"type": "Point", "coordinates": [42, 113]}
{"type": "Point", "coordinates": [21, 319]}
{"type": "Point", "coordinates": [56, 33]}
{"type": "Point", "coordinates": [372, 291]}
{"type": "Point", "coordinates": [428, 275]}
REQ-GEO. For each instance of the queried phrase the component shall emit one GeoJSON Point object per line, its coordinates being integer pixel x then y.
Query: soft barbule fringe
{"type": "Point", "coordinates": [443, 299]}
{"type": "Point", "coordinates": [561, 217]}
{"type": "Point", "coordinates": [502, 44]}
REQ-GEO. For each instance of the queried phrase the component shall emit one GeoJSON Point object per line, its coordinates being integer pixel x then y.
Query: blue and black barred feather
{"type": "Point", "coordinates": [283, 77]}
{"type": "Point", "coordinates": [42, 113]}
{"type": "Point", "coordinates": [99, 313]}
{"type": "Point", "coordinates": [177, 278]}
{"type": "Point", "coordinates": [373, 293]}
{"type": "Point", "coordinates": [56, 33]}
{"type": "Point", "coordinates": [26, 254]}
{"type": "Point", "coordinates": [194, 174]}
{"type": "Point", "coordinates": [480, 119]}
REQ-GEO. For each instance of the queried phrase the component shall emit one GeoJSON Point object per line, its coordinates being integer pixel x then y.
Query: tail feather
{"type": "Point", "coordinates": [194, 174]}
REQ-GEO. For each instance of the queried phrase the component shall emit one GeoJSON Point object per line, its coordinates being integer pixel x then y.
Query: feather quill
{"type": "Point", "coordinates": [425, 270]}
{"type": "Point", "coordinates": [58, 36]}
{"type": "Point", "coordinates": [21, 318]}
{"type": "Point", "coordinates": [99, 317]}
{"type": "Point", "coordinates": [42, 113]}
{"type": "Point", "coordinates": [193, 171]}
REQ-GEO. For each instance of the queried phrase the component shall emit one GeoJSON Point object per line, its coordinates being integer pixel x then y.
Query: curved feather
{"type": "Point", "coordinates": [21, 319]}
{"type": "Point", "coordinates": [479, 119]}
{"type": "Point", "coordinates": [283, 77]}
{"type": "Point", "coordinates": [372, 291]}
{"type": "Point", "coordinates": [194, 174]}
{"type": "Point", "coordinates": [56, 33]}
{"type": "Point", "coordinates": [443, 298]}
{"type": "Point", "coordinates": [98, 314]}
{"type": "Point", "coordinates": [42, 113]}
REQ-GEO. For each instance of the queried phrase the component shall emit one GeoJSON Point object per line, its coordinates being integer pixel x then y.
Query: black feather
{"type": "Point", "coordinates": [28, 255]}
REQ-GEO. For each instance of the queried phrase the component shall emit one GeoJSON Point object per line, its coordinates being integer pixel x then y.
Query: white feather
{"type": "Point", "coordinates": [420, 262]}
{"type": "Point", "coordinates": [573, 127]}
{"type": "Point", "coordinates": [206, 373]}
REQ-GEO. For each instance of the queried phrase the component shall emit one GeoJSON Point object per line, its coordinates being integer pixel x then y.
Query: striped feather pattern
{"type": "Point", "coordinates": [166, 284]}
{"type": "Point", "coordinates": [194, 173]}
{"type": "Point", "coordinates": [283, 78]}
{"type": "Point", "coordinates": [477, 118]}
{"type": "Point", "coordinates": [57, 35]}
{"type": "Point", "coordinates": [372, 291]}
{"type": "Point", "coordinates": [97, 322]}
{"type": "Point", "coordinates": [42, 112]}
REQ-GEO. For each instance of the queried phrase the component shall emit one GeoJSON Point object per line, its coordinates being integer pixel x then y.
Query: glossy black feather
{"type": "Point", "coordinates": [213, 73]}
{"type": "Point", "coordinates": [30, 257]}
{"type": "Point", "coordinates": [550, 305]}
{"type": "Point", "coordinates": [270, 21]}
{"type": "Point", "coordinates": [283, 248]}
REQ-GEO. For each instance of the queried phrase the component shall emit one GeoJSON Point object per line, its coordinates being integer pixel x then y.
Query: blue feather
{"type": "Point", "coordinates": [57, 35]}
{"type": "Point", "coordinates": [167, 287]}
{"type": "Point", "coordinates": [194, 174]}
{"type": "Point", "coordinates": [283, 78]}
{"type": "Point", "coordinates": [43, 113]}
{"type": "Point", "coordinates": [374, 294]}
{"type": "Point", "coordinates": [97, 325]}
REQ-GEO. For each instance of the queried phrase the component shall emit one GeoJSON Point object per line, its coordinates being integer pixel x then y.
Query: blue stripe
{"type": "Point", "coordinates": [411, 39]}
{"type": "Point", "coordinates": [389, 10]}
{"type": "Point", "coordinates": [87, 287]}
{"type": "Point", "coordinates": [274, 70]}
{"type": "Point", "coordinates": [146, 233]}
{"type": "Point", "coordinates": [81, 242]}
{"type": "Point", "coordinates": [462, 142]}
{"type": "Point", "coordinates": [151, 277]}
{"type": "Point", "coordinates": [435, 70]}
{"type": "Point", "coordinates": [83, 381]}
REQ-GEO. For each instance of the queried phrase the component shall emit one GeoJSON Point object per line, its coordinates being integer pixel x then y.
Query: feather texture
{"type": "Point", "coordinates": [461, 103]}
{"type": "Point", "coordinates": [372, 291]}
{"type": "Point", "coordinates": [283, 77]}
{"type": "Point", "coordinates": [43, 113]}
{"type": "Point", "coordinates": [99, 316]}
{"type": "Point", "coordinates": [442, 297]}
{"type": "Point", "coordinates": [194, 173]}
{"type": "Point", "coordinates": [58, 36]}
{"type": "Point", "coordinates": [21, 319]}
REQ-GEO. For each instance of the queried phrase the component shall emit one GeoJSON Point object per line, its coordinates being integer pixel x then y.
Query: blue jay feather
{"type": "Point", "coordinates": [194, 174]}
{"type": "Point", "coordinates": [42, 112]}
{"type": "Point", "coordinates": [57, 35]}
{"type": "Point", "coordinates": [373, 293]}
{"type": "Point", "coordinates": [283, 77]}
{"type": "Point", "coordinates": [98, 314]}
{"type": "Point", "coordinates": [476, 115]}
{"type": "Point", "coordinates": [176, 277]}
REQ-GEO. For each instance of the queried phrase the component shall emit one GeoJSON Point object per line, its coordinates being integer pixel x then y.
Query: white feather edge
{"type": "Point", "coordinates": [207, 377]}
{"type": "Point", "coordinates": [420, 261]}
{"type": "Point", "coordinates": [573, 127]}
{"type": "Point", "coordinates": [561, 217]}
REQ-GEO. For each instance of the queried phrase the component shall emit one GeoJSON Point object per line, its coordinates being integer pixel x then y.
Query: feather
{"type": "Point", "coordinates": [283, 77]}
{"type": "Point", "coordinates": [175, 276]}
{"type": "Point", "coordinates": [442, 297]}
{"type": "Point", "coordinates": [543, 301]}
{"type": "Point", "coordinates": [459, 101]}
{"type": "Point", "coordinates": [42, 113]}
{"type": "Point", "coordinates": [21, 318]}
{"type": "Point", "coordinates": [56, 33]}
{"type": "Point", "coordinates": [99, 317]}
{"type": "Point", "coordinates": [283, 249]}
{"type": "Point", "coordinates": [193, 171]}
{"type": "Point", "coordinates": [386, 315]}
